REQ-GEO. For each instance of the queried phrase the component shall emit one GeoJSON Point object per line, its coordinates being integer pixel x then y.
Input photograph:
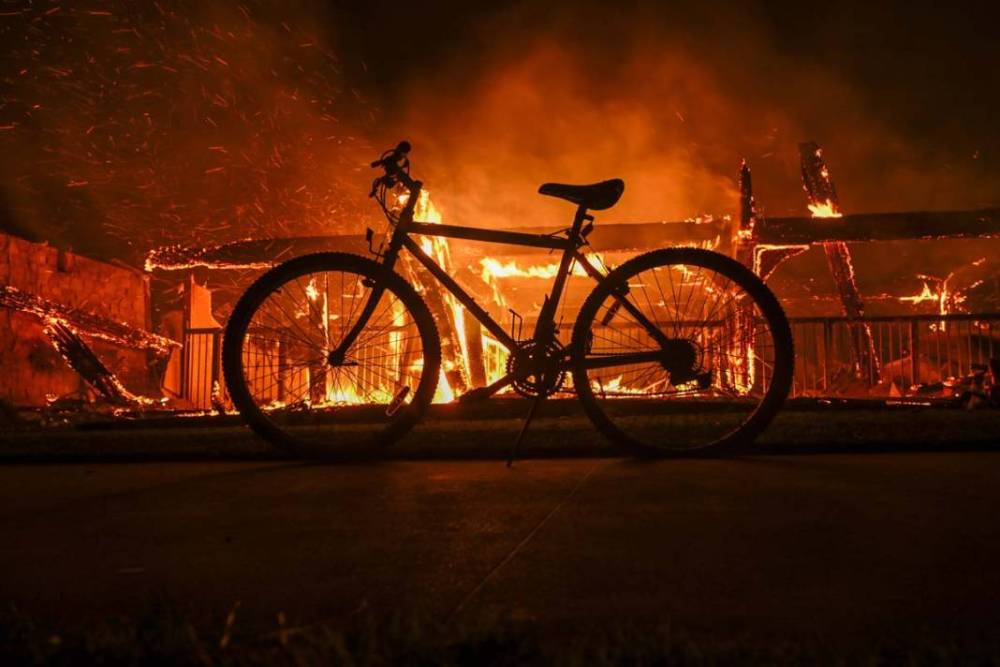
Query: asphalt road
{"type": "Point", "coordinates": [828, 546]}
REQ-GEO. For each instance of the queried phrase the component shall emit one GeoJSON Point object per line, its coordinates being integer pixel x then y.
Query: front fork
{"type": "Point", "coordinates": [338, 356]}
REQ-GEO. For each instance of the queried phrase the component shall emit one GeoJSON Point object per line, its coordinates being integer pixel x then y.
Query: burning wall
{"type": "Point", "coordinates": [33, 369]}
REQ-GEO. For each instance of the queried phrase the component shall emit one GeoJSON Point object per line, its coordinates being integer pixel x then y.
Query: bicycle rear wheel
{"type": "Point", "coordinates": [288, 383]}
{"type": "Point", "coordinates": [705, 353]}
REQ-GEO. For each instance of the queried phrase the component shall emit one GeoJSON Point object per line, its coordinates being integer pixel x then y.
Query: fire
{"type": "Point", "coordinates": [947, 299]}
{"type": "Point", "coordinates": [454, 374]}
{"type": "Point", "coordinates": [616, 388]}
{"type": "Point", "coordinates": [825, 209]}
{"type": "Point", "coordinates": [183, 258]}
{"type": "Point", "coordinates": [925, 295]}
{"type": "Point", "coordinates": [493, 268]}
{"type": "Point", "coordinates": [457, 338]}
{"type": "Point", "coordinates": [311, 290]}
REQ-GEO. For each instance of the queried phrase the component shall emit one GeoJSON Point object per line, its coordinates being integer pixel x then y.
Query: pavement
{"type": "Point", "coordinates": [828, 547]}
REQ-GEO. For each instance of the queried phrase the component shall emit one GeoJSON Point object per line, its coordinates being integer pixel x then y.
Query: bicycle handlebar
{"type": "Point", "coordinates": [396, 164]}
{"type": "Point", "coordinates": [391, 158]}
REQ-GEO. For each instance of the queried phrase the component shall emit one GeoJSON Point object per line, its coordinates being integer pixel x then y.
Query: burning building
{"type": "Point", "coordinates": [230, 137]}
{"type": "Point", "coordinates": [72, 327]}
{"type": "Point", "coordinates": [853, 341]}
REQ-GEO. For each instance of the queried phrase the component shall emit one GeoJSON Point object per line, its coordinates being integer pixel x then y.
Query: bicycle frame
{"type": "Point", "coordinates": [545, 327]}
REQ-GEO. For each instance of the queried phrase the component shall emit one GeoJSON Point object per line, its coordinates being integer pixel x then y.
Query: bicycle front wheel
{"type": "Point", "coordinates": [298, 386]}
{"type": "Point", "coordinates": [681, 350]}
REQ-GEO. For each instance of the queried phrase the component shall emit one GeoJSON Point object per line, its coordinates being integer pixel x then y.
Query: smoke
{"type": "Point", "coordinates": [669, 100]}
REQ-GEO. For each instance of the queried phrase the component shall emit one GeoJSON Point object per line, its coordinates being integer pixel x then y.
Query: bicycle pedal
{"type": "Point", "coordinates": [397, 402]}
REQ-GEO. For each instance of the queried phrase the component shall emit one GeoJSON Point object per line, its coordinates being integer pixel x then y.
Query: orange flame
{"type": "Point", "coordinates": [825, 209]}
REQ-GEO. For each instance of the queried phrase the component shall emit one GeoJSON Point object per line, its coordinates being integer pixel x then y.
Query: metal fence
{"type": "Point", "coordinates": [201, 367]}
{"type": "Point", "coordinates": [913, 352]}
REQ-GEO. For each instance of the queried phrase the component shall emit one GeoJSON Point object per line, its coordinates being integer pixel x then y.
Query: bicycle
{"type": "Point", "coordinates": [678, 350]}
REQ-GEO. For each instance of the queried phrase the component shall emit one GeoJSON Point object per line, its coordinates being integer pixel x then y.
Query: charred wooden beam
{"type": "Point", "coordinates": [748, 207]}
{"type": "Point", "coordinates": [898, 226]}
{"type": "Point", "coordinates": [265, 253]}
{"type": "Point", "coordinates": [823, 201]}
{"type": "Point", "coordinates": [767, 258]}
{"type": "Point", "coordinates": [611, 237]}
{"type": "Point", "coordinates": [744, 237]}
{"type": "Point", "coordinates": [85, 324]}
{"type": "Point", "coordinates": [82, 359]}
{"type": "Point", "coordinates": [249, 254]}
{"type": "Point", "coordinates": [816, 180]}
{"type": "Point", "coordinates": [761, 258]}
{"type": "Point", "coordinates": [473, 333]}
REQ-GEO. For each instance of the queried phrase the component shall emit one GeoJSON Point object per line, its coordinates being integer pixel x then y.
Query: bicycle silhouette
{"type": "Point", "coordinates": [677, 350]}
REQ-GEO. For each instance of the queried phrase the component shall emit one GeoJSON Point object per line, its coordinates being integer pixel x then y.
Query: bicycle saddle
{"type": "Point", "coordinates": [597, 196]}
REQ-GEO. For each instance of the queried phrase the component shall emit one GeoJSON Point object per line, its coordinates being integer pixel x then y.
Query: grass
{"type": "Point", "coordinates": [165, 636]}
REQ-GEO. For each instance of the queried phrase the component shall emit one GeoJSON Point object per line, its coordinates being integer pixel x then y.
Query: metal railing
{"type": "Point", "coordinates": [912, 351]}
{"type": "Point", "coordinates": [201, 367]}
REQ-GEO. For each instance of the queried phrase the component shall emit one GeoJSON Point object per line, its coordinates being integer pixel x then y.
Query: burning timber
{"type": "Point", "coordinates": [824, 203]}
{"type": "Point", "coordinates": [263, 253]}
{"type": "Point", "coordinates": [789, 231]}
{"type": "Point", "coordinates": [865, 227]}
{"type": "Point", "coordinates": [84, 324]}
{"type": "Point", "coordinates": [67, 328]}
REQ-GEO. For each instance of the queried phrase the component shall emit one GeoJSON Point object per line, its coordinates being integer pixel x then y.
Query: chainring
{"type": "Point", "coordinates": [536, 369]}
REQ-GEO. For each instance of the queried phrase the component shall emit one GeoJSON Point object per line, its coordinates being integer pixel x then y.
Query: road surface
{"type": "Point", "coordinates": [827, 546]}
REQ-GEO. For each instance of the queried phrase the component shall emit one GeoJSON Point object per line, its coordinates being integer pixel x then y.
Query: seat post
{"type": "Point", "coordinates": [545, 329]}
{"type": "Point", "coordinates": [578, 219]}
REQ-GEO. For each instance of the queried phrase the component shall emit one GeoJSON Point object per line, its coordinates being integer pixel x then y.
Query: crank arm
{"type": "Point", "coordinates": [482, 393]}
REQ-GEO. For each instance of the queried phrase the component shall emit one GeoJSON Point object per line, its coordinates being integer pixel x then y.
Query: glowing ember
{"type": "Point", "coordinates": [617, 388]}
{"type": "Point", "coordinates": [925, 295]}
{"type": "Point", "coordinates": [944, 297]}
{"type": "Point", "coordinates": [180, 258]}
{"type": "Point", "coordinates": [162, 122]}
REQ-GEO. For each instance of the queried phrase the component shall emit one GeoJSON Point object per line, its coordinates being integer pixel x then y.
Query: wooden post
{"type": "Point", "coordinates": [821, 193]}
{"type": "Point", "coordinates": [761, 259]}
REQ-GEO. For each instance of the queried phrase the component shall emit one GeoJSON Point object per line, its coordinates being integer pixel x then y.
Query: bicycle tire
{"type": "Point", "coordinates": [252, 299]}
{"type": "Point", "coordinates": [764, 300]}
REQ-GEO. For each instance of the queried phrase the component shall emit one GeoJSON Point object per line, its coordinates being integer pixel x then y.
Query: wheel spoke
{"type": "Point", "coordinates": [277, 354]}
{"type": "Point", "coordinates": [706, 370]}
